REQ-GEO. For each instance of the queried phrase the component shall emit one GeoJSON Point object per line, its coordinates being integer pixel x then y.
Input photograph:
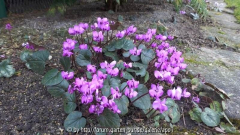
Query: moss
{"type": "Point", "coordinates": [193, 60]}
{"type": "Point", "coordinates": [221, 32]}
{"type": "Point", "coordinates": [236, 5]}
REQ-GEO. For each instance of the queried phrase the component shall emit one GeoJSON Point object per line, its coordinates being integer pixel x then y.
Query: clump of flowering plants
{"type": "Point", "coordinates": [105, 71]}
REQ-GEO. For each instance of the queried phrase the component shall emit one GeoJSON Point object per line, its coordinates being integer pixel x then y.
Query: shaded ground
{"type": "Point", "coordinates": [26, 106]}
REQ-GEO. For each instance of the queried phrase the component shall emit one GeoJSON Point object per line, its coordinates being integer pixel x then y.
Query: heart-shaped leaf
{"type": "Point", "coordinates": [84, 57]}
{"type": "Point", "coordinates": [24, 55]}
{"type": "Point", "coordinates": [134, 58]}
{"type": "Point", "coordinates": [140, 65]}
{"type": "Point", "coordinates": [6, 70]}
{"type": "Point", "coordinates": [59, 89]}
{"type": "Point", "coordinates": [195, 114]}
{"type": "Point", "coordinates": [66, 63]}
{"type": "Point", "coordinates": [52, 77]}
{"type": "Point", "coordinates": [146, 78]}
{"type": "Point", "coordinates": [108, 119]}
{"type": "Point", "coordinates": [108, 83]}
{"type": "Point", "coordinates": [122, 104]}
{"type": "Point", "coordinates": [127, 75]}
{"type": "Point", "coordinates": [210, 117]}
{"type": "Point", "coordinates": [37, 61]}
{"type": "Point", "coordinates": [74, 121]}
{"type": "Point", "coordinates": [69, 102]}
{"type": "Point", "coordinates": [147, 55]}
{"type": "Point", "coordinates": [89, 75]}
{"type": "Point", "coordinates": [126, 54]}
{"type": "Point", "coordinates": [144, 102]}
{"type": "Point", "coordinates": [112, 55]}
{"type": "Point", "coordinates": [141, 46]}
{"type": "Point", "coordinates": [228, 128]}
{"type": "Point", "coordinates": [141, 72]}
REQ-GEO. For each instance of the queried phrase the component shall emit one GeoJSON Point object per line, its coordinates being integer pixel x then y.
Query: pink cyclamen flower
{"type": "Point", "coordinates": [139, 37]}
{"type": "Point", "coordinates": [135, 51]}
{"type": "Point", "coordinates": [156, 91]}
{"type": "Point", "coordinates": [97, 49]}
{"type": "Point", "coordinates": [105, 64]}
{"type": "Point", "coordinates": [182, 12]}
{"type": "Point", "coordinates": [70, 89]}
{"type": "Point", "coordinates": [83, 47]}
{"type": "Point", "coordinates": [67, 53]}
{"type": "Point", "coordinates": [8, 26]}
{"type": "Point", "coordinates": [131, 93]}
{"type": "Point", "coordinates": [113, 106]}
{"type": "Point", "coordinates": [132, 83]}
{"type": "Point", "coordinates": [129, 65]}
{"type": "Point", "coordinates": [71, 31]}
{"type": "Point", "coordinates": [152, 31]}
{"type": "Point", "coordinates": [196, 99]}
{"type": "Point", "coordinates": [98, 36]}
{"type": "Point", "coordinates": [85, 99]}
{"type": "Point", "coordinates": [170, 37]}
{"type": "Point", "coordinates": [101, 75]}
{"type": "Point", "coordinates": [153, 45]}
{"type": "Point", "coordinates": [148, 37]}
{"type": "Point", "coordinates": [78, 29]}
{"type": "Point", "coordinates": [131, 30]}
{"type": "Point", "coordinates": [113, 71]}
{"type": "Point", "coordinates": [67, 75]}
{"type": "Point", "coordinates": [91, 68]}
{"type": "Point", "coordinates": [69, 44]}
{"type": "Point", "coordinates": [160, 37]}
{"type": "Point", "coordinates": [103, 24]}
{"type": "Point", "coordinates": [96, 109]}
{"type": "Point", "coordinates": [2, 56]}
{"type": "Point", "coordinates": [185, 93]}
{"type": "Point", "coordinates": [175, 94]}
{"type": "Point", "coordinates": [84, 26]}
{"type": "Point", "coordinates": [120, 34]}
{"type": "Point", "coordinates": [160, 105]}
{"type": "Point", "coordinates": [116, 93]}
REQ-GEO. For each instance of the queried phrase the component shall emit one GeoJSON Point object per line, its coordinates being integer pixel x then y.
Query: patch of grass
{"type": "Point", "coordinates": [234, 4]}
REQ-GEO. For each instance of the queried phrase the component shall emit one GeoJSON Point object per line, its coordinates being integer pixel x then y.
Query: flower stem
{"type": "Point", "coordinates": [139, 97]}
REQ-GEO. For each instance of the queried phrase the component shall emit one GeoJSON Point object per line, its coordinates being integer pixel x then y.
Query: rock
{"type": "Point", "coordinates": [221, 68]}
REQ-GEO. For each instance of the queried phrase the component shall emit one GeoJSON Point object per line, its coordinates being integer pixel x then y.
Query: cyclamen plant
{"type": "Point", "coordinates": [108, 69]}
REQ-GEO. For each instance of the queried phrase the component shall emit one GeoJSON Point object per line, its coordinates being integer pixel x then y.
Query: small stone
{"type": "Point", "coordinates": [186, 133]}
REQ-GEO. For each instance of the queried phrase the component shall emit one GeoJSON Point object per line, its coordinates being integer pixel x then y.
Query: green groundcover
{"type": "Point", "coordinates": [3, 12]}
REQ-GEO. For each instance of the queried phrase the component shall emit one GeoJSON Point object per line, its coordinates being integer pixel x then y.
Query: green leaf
{"type": "Point", "coordinates": [108, 83]}
{"type": "Point", "coordinates": [185, 80]}
{"type": "Point", "coordinates": [210, 117]}
{"type": "Point", "coordinates": [195, 114]}
{"type": "Point", "coordinates": [123, 85]}
{"type": "Point", "coordinates": [126, 54]}
{"type": "Point", "coordinates": [37, 61]}
{"type": "Point", "coordinates": [194, 81]}
{"type": "Point", "coordinates": [118, 2]}
{"type": "Point", "coordinates": [216, 106]}
{"type": "Point", "coordinates": [120, 65]}
{"type": "Point", "coordinates": [140, 65]}
{"type": "Point", "coordinates": [59, 89]}
{"type": "Point", "coordinates": [108, 119]}
{"type": "Point", "coordinates": [89, 75]}
{"type": "Point", "coordinates": [228, 128]}
{"type": "Point", "coordinates": [123, 43]}
{"type": "Point", "coordinates": [120, 18]}
{"type": "Point", "coordinates": [147, 55]}
{"type": "Point", "coordinates": [52, 77]}
{"type": "Point", "coordinates": [172, 111]}
{"type": "Point", "coordinates": [24, 55]}
{"type": "Point", "coordinates": [122, 104]}
{"type": "Point", "coordinates": [134, 58]}
{"type": "Point", "coordinates": [146, 78]}
{"type": "Point", "coordinates": [84, 57]}
{"type": "Point", "coordinates": [143, 102]}
{"type": "Point", "coordinates": [6, 70]}
{"type": "Point", "coordinates": [141, 46]}
{"type": "Point", "coordinates": [127, 75]}
{"type": "Point", "coordinates": [141, 72]}
{"type": "Point", "coordinates": [74, 121]}
{"type": "Point", "coordinates": [69, 102]}
{"type": "Point", "coordinates": [66, 63]}
{"type": "Point", "coordinates": [112, 55]}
